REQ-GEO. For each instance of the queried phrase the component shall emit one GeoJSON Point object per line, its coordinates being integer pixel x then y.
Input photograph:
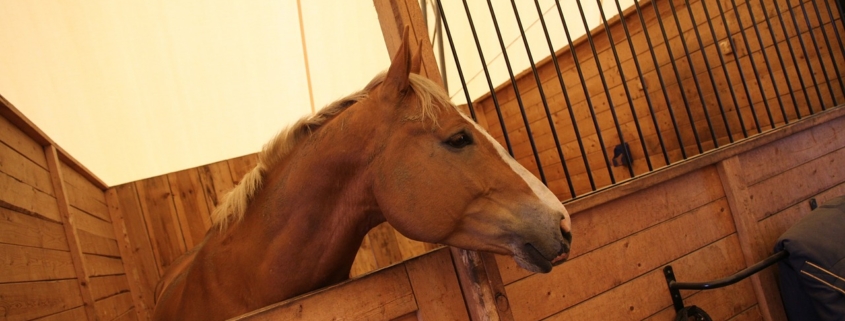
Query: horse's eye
{"type": "Point", "coordinates": [459, 140]}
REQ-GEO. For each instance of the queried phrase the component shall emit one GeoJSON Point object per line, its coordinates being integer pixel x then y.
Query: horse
{"type": "Point", "coordinates": [396, 151]}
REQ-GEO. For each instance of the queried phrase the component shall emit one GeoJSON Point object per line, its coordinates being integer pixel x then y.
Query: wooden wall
{"type": "Point", "coordinates": [59, 256]}
{"type": "Point", "coordinates": [731, 47]}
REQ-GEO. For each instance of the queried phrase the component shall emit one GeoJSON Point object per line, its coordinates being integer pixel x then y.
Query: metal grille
{"type": "Point", "coordinates": [652, 84]}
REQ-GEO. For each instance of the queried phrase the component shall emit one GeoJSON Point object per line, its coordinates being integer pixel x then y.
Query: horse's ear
{"type": "Point", "coordinates": [397, 75]}
{"type": "Point", "coordinates": [416, 60]}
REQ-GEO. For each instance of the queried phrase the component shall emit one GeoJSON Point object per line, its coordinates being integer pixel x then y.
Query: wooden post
{"type": "Point", "coordinates": [477, 272]}
{"type": "Point", "coordinates": [141, 309]}
{"type": "Point", "coordinates": [72, 237]}
{"type": "Point", "coordinates": [739, 200]}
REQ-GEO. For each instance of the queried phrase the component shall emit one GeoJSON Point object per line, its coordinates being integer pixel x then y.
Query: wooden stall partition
{"type": "Point", "coordinates": [709, 217]}
{"type": "Point", "coordinates": [59, 255]}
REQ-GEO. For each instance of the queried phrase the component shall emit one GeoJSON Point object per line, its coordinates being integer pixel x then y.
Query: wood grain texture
{"type": "Point", "coordinates": [22, 229]}
{"type": "Point", "coordinates": [16, 165]}
{"type": "Point", "coordinates": [68, 315]}
{"type": "Point", "coordinates": [436, 288]}
{"type": "Point", "coordinates": [23, 198]}
{"type": "Point", "coordinates": [191, 205]}
{"type": "Point", "coordinates": [21, 263]}
{"type": "Point", "coordinates": [102, 265]}
{"type": "Point", "coordinates": [239, 166]}
{"type": "Point", "coordinates": [111, 307]}
{"type": "Point", "coordinates": [106, 286]}
{"type": "Point", "coordinates": [162, 222]}
{"type": "Point", "coordinates": [138, 260]}
{"type": "Point", "coordinates": [30, 300]}
{"type": "Point", "coordinates": [16, 139]}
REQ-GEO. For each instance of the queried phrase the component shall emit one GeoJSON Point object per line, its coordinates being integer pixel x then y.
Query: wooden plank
{"type": "Point", "coordinates": [106, 286]}
{"type": "Point", "coordinates": [137, 256]}
{"type": "Point", "coordinates": [70, 230]}
{"type": "Point", "coordinates": [217, 181]}
{"type": "Point", "coordinates": [93, 244]}
{"type": "Point", "coordinates": [30, 300]}
{"type": "Point", "coordinates": [22, 229]}
{"type": "Point", "coordinates": [68, 315]}
{"type": "Point", "coordinates": [646, 295]}
{"type": "Point", "coordinates": [436, 287]}
{"type": "Point", "coordinates": [408, 247]}
{"type": "Point", "coordinates": [130, 315]}
{"type": "Point", "coordinates": [13, 137]}
{"type": "Point", "coordinates": [92, 224]}
{"type": "Point", "coordinates": [630, 257]}
{"type": "Point", "coordinates": [102, 265]}
{"type": "Point", "coordinates": [239, 166]}
{"type": "Point", "coordinates": [25, 170]}
{"type": "Point", "coordinates": [113, 306]}
{"type": "Point", "coordinates": [606, 223]}
{"type": "Point", "coordinates": [190, 204]}
{"type": "Point", "coordinates": [83, 194]}
{"type": "Point", "coordinates": [365, 260]}
{"type": "Point", "coordinates": [379, 296]}
{"type": "Point", "coordinates": [751, 314]}
{"type": "Point", "coordinates": [26, 199]}
{"type": "Point", "coordinates": [721, 304]}
{"type": "Point", "coordinates": [384, 246]}
{"type": "Point", "coordinates": [161, 220]}
{"type": "Point", "coordinates": [20, 263]}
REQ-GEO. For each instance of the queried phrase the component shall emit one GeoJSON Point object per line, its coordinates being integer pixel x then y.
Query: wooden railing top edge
{"type": "Point", "coordinates": [8, 111]}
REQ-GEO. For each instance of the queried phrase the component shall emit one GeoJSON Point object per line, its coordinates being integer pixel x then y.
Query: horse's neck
{"type": "Point", "coordinates": [303, 229]}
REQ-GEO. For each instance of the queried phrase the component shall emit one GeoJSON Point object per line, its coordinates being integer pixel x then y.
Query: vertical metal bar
{"type": "Point", "coordinates": [543, 96]}
{"type": "Point", "coordinates": [791, 53]}
{"type": "Point", "coordinates": [441, 51]}
{"type": "Point", "coordinates": [587, 97]}
{"type": "Point", "coordinates": [694, 74]}
{"type": "Point", "coordinates": [830, 49]}
{"type": "Point", "coordinates": [604, 84]}
{"type": "Point", "coordinates": [836, 31]}
{"type": "Point", "coordinates": [741, 72]}
{"type": "Point", "coordinates": [625, 85]}
{"type": "Point", "coordinates": [818, 52]}
{"type": "Point", "coordinates": [803, 49]}
{"type": "Point", "coordinates": [765, 59]}
{"type": "Point", "coordinates": [678, 77]}
{"type": "Point", "coordinates": [660, 79]}
{"type": "Point", "coordinates": [636, 59]}
{"type": "Point", "coordinates": [516, 93]}
{"type": "Point", "coordinates": [458, 66]}
{"type": "Point", "coordinates": [724, 68]}
{"type": "Point", "coordinates": [569, 106]}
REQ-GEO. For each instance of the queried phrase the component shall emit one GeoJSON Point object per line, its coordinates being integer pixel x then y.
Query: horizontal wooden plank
{"type": "Point", "coordinates": [751, 314]}
{"type": "Point", "coordinates": [25, 170]}
{"type": "Point", "coordinates": [22, 229]}
{"type": "Point", "coordinates": [646, 295]}
{"type": "Point", "coordinates": [721, 303]}
{"type": "Point", "coordinates": [785, 189]}
{"type": "Point", "coordinates": [606, 223]}
{"type": "Point", "coordinates": [130, 315]}
{"type": "Point", "coordinates": [22, 263]}
{"type": "Point", "coordinates": [100, 265]}
{"type": "Point", "coordinates": [93, 244]}
{"type": "Point", "coordinates": [21, 142]}
{"type": "Point", "coordinates": [106, 286]}
{"type": "Point", "coordinates": [113, 306]}
{"type": "Point", "coordinates": [772, 227]}
{"type": "Point", "coordinates": [74, 314]}
{"type": "Point", "coordinates": [542, 295]}
{"type": "Point", "coordinates": [89, 200]}
{"type": "Point", "coordinates": [21, 197]}
{"type": "Point", "coordinates": [436, 288]}
{"type": "Point", "coordinates": [365, 260]}
{"type": "Point", "coordinates": [30, 300]}
{"type": "Point", "coordinates": [379, 296]}
{"type": "Point", "coordinates": [91, 224]}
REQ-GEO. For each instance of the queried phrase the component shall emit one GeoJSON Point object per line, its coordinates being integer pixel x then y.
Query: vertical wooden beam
{"type": "Point", "coordinates": [478, 275]}
{"type": "Point", "coordinates": [739, 199]}
{"type": "Point", "coordinates": [72, 237]}
{"type": "Point", "coordinates": [125, 246]}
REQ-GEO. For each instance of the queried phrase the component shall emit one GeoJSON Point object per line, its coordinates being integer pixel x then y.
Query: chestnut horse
{"type": "Point", "coordinates": [397, 151]}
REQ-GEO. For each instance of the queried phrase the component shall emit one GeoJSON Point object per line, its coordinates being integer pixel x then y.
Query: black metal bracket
{"type": "Point", "coordinates": [623, 153]}
{"type": "Point", "coordinates": [675, 287]}
{"type": "Point", "coordinates": [813, 204]}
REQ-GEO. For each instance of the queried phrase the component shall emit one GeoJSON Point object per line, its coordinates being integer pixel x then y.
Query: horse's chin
{"type": "Point", "coordinates": [529, 258]}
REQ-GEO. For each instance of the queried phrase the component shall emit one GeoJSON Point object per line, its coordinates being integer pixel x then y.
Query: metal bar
{"type": "Point", "coordinates": [724, 69]}
{"type": "Point", "coordinates": [458, 64]}
{"type": "Point", "coordinates": [636, 59]}
{"type": "Point", "coordinates": [803, 49]}
{"type": "Point", "coordinates": [606, 91]}
{"type": "Point", "coordinates": [739, 276]}
{"type": "Point", "coordinates": [829, 47]}
{"type": "Point", "coordinates": [543, 96]}
{"type": "Point", "coordinates": [694, 74]}
{"type": "Point", "coordinates": [625, 85]}
{"type": "Point", "coordinates": [818, 51]}
{"type": "Point", "coordinates": [569, 106]}
{"type": "Point", "coordinates": [741, 72]}
{"type": "Point", "coordinates": [587, 97]}
{"type": "Point", "coordinates": [678, 77]}
{"type": "Point", "coordinates": [660, 79]}
{"type": "Point", "coordinates": [516, 92]}
{"type": "Point", "coordinates": [841, 5]}
{"type": "Point", "coordinates": [791, 53]}
{"type": "Point", "coordinates": [768, 62]}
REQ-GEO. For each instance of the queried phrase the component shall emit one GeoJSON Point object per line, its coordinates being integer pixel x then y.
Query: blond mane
{"type": "Point", "coordinates": [234, 205]}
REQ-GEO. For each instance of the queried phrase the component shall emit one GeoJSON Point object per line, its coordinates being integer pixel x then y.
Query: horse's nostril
{"type": "Point", "coordinates": [566, 235]}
